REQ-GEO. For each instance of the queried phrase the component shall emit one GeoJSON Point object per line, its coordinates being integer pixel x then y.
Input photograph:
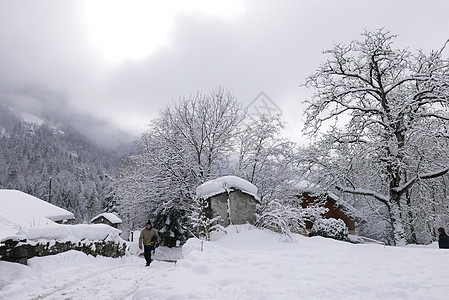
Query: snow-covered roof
{"type": "Point", "coordinates": [19, 211]}
{"type": "Point", "coordinates": [114, 219]}
{"type": "Point", "coordinates": [223, 184]}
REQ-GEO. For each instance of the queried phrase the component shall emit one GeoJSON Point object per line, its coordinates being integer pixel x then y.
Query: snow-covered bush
{"type": "Point", "coordinates": [286, 218]}
{"type": "Point", "coordinates": [202, 218]}
{"type": "Point", "coordinates": [332, 228]}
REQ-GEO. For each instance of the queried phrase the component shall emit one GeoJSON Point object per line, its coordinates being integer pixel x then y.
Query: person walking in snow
{"type": "Point", "coordinates": [149, 238]}
{"type": "Point", "coordinates": [443, 239]}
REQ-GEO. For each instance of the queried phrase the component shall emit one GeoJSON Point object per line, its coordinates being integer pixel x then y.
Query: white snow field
{"type": "Point", "coordinates": [245, 263]}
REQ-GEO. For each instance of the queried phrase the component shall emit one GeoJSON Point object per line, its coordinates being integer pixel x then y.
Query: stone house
{"type": "Point", "coordinates": [107, 218]}
{"type": "Point", "coordinates": [231, 198]}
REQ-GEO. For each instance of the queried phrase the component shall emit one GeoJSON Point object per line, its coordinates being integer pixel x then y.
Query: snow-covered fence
{"type": "Point", "coordinates": [48, 240]}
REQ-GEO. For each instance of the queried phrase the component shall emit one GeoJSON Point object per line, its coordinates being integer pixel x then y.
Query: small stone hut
{"type": "Point", "coordinates": [107, 218]}
{"type": "Point", "coordinates": [232, 198]}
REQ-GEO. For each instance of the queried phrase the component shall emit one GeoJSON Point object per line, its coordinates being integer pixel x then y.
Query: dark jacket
{"type": "Point", "coordinates": [443, 241]}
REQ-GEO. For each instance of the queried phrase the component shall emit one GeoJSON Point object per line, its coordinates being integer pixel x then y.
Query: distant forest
{"type": "Point", "coordinates": [56, 165]}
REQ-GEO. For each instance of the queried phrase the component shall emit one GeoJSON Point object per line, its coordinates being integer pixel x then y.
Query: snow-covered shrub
{"type": "Point", "coordinates": [285, 218]}
{"type": "Point", "coordinates": [279, 218]}
{"type": "Point", "coordinates": [332, 228]}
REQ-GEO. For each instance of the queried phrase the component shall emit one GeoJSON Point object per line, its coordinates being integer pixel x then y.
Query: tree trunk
{"type": "Point", "coordinates": [413, 239]}
{"type": "Point", "coordinates": [396, 222]}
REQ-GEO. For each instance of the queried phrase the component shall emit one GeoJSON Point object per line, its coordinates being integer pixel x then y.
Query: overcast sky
{"type": "Point", "coordinates": [122, 61]}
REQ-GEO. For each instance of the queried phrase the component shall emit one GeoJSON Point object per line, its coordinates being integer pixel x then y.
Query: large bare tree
{"type": "Point", "coordinates": [188, 144]}
{"type": "Point", "coordinates": [383, 105]}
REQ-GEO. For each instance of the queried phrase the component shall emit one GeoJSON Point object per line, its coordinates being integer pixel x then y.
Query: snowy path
{"type": "Point", "coordinates": [74, 275]}
{"type": "Point", "coordinates": [97, 284]}
{"type": "Point", "coordinates": [114, 283]}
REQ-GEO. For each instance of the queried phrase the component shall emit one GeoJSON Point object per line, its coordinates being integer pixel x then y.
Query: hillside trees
{"type": "Point", "coordinates": [387, 115]}
{"type": "Point", "coordinates": [31, 154]}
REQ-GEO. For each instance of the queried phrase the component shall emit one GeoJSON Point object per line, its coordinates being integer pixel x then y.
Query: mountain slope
{"type": "Point", "coordinates": [55, 165]}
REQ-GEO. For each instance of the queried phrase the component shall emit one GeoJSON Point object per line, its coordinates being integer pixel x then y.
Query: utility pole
{"type": "Point", "coordinates": [49, 191]}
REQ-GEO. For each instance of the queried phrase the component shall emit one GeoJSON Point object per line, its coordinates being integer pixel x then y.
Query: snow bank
{"type": "Point", "coordinates": [73, 233]}
{"type": "Point", "coordinates": [14, 238]}
{"type": "Point", "coordinates": [224, 184]}
{"type": "Point", "coordinates": [245, 263]}
{"type": "Point", "coordinates": [249, 263]}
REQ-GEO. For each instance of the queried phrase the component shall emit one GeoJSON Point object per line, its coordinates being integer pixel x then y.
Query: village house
{"type": "Point", "coordinates": [232, 198]}
{"type": "Point", "coordinates": [107, 218]}
{"type": "Point", "coordinates": [335, 210]}
{"type": "Point", "coordinates": [19, 211]}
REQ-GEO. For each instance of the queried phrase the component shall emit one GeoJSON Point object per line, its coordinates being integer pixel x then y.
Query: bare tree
{"type": "Point", "coordinates": [270, 162]}
{"type": "Point", "coordinates": [381, 103]}
{"type": "Point", "coordinates": [267, 159]}
{"type": "Point", "coordinates": [188, 144]}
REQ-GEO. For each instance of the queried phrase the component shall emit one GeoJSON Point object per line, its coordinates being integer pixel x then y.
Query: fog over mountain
{"type": "Point", "coordinates": [53, 107]}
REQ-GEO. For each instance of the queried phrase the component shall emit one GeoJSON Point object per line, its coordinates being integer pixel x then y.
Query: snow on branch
{"type": "Point", "coordinates": [403, 188]}
{"type": "Point", "coordinates": [435, 174]}
{"type": "Point", "coordinates": [353, 90]}
{"type": "Point", "coordinates": [364, 109]}
{"type": "Point", "coordinates": [435, 116]}
{"type": "Point", "coordinates": [400, 82]}
{"type": "Point", "coordinates": [382, 198]}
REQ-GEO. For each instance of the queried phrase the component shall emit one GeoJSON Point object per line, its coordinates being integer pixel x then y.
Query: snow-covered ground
{"type": "Point", "coordinates": [246, 263]}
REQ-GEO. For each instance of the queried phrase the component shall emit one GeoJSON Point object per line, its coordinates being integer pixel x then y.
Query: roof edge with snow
{"type": "Point", "coordinates": [113, 218]}
{"type": "Point", "coordinates": [225, 184]}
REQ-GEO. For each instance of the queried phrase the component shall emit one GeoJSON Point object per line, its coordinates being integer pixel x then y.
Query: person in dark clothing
{"type": "Point", "coordinates": [443, 239]}
{"type": "Point", "coordinates": [149, 238]}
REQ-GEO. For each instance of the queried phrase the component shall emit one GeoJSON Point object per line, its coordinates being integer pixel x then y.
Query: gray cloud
{"type": "Point", "coordinates": [272, 46]}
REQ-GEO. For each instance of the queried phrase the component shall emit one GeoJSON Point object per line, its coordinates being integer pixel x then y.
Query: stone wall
{"type": "Point", "coordinates": [20, 252]}
{"type": "Point", "coordinates": [219, 205]}
{"type": "Point", "coordinates": [242, 207]}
